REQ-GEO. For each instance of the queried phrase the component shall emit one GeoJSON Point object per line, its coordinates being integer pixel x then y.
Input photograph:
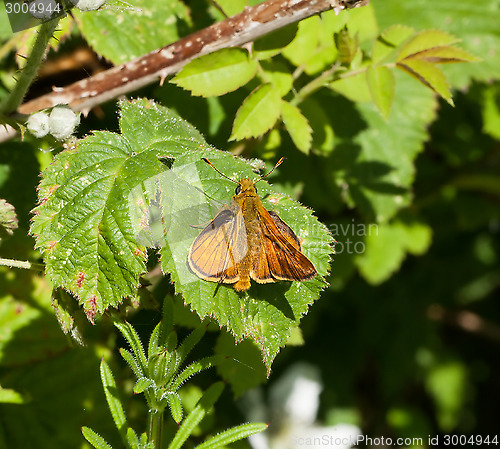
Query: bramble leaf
{"type": "Point", "coordinates": [154, 25]}
{"type": "Point", "coordinates": [217, 73]}
{"type": "Point", "coordinates": [95, 220]}
{"type": "Point", "coordinates": [91, 198]}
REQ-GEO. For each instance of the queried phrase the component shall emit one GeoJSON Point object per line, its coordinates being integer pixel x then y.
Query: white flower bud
{"type": "Point", "coordinates": [88, 5]}
{"type": "Point", "coordinates": [44, 9]}
{"type": "Point", "coordinates": [62, 122]}
{"type": "Point", "coordinates": [38, 124]}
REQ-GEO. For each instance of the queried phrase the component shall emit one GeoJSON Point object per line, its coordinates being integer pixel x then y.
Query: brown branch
{"type": "Point", "coordinates": [235, 31]}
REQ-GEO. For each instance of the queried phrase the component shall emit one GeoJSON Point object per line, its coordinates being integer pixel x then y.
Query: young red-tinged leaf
{"type": "Point", "coordinates": [258, 113]}
{"type": "Point", "coordinates": [381, 84]}
{"type": "Point", "coordinates": [217, 73]}
{"type": "Point", "coordinates": [441, 55]}
{"type": "Point", "coordinates": [429, 75]}
{"type": "Point", "coordinates": [426, 40]}
{"type": "Point", "coordinates": [297, 126]}
{"type": "Point", "coordinates": [347, 46]}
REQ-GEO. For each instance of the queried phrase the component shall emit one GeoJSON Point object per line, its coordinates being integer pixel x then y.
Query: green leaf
{"type": "Point", "coordinates": [429, 75]}
{"type": "Point", "coordinates": [377, 155]}
{"type": "Point", "coordinates": [426, 40]}
{"type": "Point", "coordinates": [175, 405]}
{"type": "Point", "coordinates": [297, 126]}
{"type": "Point", "coordinates": [265, 313]}
{"type": "Point", "coordinates": [443, 55]}
{"type": "Point", "coordinates": [95, 439]}
{"type": "Point", "coordinates": [130, 334]}
{"type": "Point", "coordinates": [321, 122]}
{"type": "Point", "coordinates": [490, 104]}
{"type": "Point", "coordinates": [271, 44]}
{"type": "Point", "coordinates": [477, 28]}
{"type": "Point", "coordinates": [121, 34]}
{"type": "Point", "coordinates": [132, 439]}
{"type": "Point", "coordinates": [387, 44]}
{"type": "Point", "coordinates": [232, 7]}
{"type": "Point", "coordinates": [132, 362]}
{"type": "Point", "coordinates": [276, 72]}
{"type": "Point", "coordinates": [92, 201]}
{"type": "Point", "coordinates": [355, 88]}
{"type": "Point", "coordinates": [303, 46]}
{"type": "Point", "coordinates": [257, 114]}
{"type": "Point", "coordinates": [196, 415]}
{"type": "Point", "coordinates": [313, 47]}
{"type": "Point", "coordinates": [190, 342]}
{"type": "Point", "coordinates": [217, 73]}
{"type": "Point", "coordinates": [10, 396]}
{"type": "Point", "coordinates": [386, 249]}
{"type": "Point", "coordinates": [143, 384]}
{"type": "Point", "coordinates": [447, 384]}
{"type": "Point", "coordinates": [347, 46]}
{"type": "Point", "coordinates": [153, 346]}
{"type": "Point", "coordinates": [193, 369]}
{"type": "Point", "coordinates": [114, 402]}
{"type": "Point", "coordinates": [231, 435]}
{"type": "Point", "coordinates": [381, 83]}
{"type": "Point", "coordinates": [241, 365]}
{"type": "Point", "coordinates": [8, 219]}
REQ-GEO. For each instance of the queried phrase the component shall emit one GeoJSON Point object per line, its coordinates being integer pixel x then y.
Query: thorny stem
{"type": "Point", "coordinates": [30, 70]}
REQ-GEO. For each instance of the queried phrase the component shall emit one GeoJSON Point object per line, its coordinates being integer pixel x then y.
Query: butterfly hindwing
{"type": "Point", "coordinates": [279, 255]}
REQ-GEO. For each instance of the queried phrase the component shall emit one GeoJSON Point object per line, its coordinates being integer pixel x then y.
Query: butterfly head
{"type": "Point", "coordinates": [245, 185]}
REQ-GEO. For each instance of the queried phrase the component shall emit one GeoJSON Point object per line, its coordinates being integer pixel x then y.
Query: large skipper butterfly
{"type": "Point", "coordinates": [245, 241]}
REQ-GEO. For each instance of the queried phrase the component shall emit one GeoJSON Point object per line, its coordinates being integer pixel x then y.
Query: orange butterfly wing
{"type": "Point", "coordinates": [215, 253]}
{"type": "Point", "coordinates": [279, 256]}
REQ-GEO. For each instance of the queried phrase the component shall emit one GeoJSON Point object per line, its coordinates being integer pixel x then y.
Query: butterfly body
{"type": "Point", "coordinates": [245, 241]}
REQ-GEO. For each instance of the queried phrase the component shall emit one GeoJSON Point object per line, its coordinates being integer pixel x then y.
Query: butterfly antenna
{"type": "Point", "coordinates": [220, 173]}
{"type": "Point", "coordinates": [272, 169]}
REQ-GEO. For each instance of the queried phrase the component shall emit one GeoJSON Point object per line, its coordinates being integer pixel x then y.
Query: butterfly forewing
{"type": "Point", "coordinates": [218, 249]}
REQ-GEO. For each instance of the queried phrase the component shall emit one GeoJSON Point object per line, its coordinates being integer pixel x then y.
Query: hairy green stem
{"type": "Point", "coordinates": [155, 427]}
{"type": "Point", "coordinates": [30, 70]}
{"type": "Point", "coordinates": [12, 263]}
